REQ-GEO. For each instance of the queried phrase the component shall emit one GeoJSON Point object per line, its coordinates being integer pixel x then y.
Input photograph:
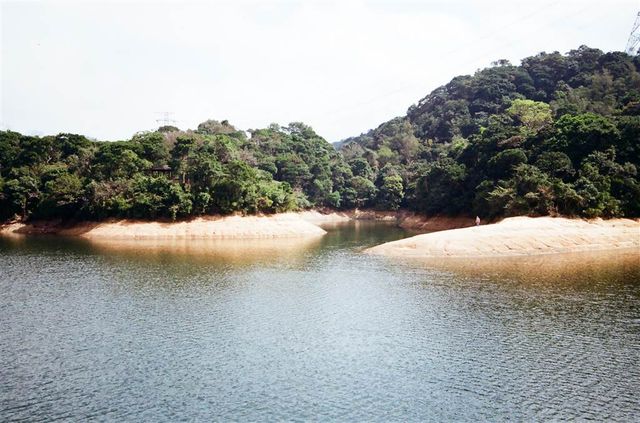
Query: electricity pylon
{"type": "Point", "coordinates": [634, 38]}
{"type": "Point", "coordinates": [165, 118]}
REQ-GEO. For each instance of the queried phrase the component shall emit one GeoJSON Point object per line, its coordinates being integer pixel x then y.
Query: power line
{"type": "Point", "coordinates": [456, 51]}
{"type": "Point", "coordinates": [486, 53]}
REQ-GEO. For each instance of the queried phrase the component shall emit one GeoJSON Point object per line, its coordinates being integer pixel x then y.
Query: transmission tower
{"type": "Point", "coordinates": [165, 119]}
{"type": "Point", "coordinates": [634, 38]}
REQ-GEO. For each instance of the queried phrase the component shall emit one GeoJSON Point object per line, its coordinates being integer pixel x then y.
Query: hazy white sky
{"type": "Point", "coordinates": [105, 69]}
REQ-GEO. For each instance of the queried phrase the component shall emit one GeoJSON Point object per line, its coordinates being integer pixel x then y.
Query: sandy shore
{"type": "Point", "coordinates": [284, 225]}
{"type": "Point", "coordinates": [519, 236]}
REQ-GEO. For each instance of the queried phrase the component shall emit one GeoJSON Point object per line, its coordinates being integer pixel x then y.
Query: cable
{"type": "Point", "coordinates": [475, 59]}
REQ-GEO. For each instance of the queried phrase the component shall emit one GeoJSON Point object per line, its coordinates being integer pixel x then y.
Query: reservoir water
{"type": "Point", "coordinates": [312, 330]}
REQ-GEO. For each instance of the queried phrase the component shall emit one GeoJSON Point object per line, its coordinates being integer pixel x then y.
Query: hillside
{"type": "Point", "coordinates": [169, 173]}
{"type": "Point", "coordinates": [558, 134]}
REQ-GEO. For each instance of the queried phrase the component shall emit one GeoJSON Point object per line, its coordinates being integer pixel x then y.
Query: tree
{"type": "Point", "coordinates": [532, 115]}
{"type": "Point", "coordinates": [70, 144]}
{"type": "Point", "coordinates": [112, 198]}
{"type": "Point", "coordinates": [556, 164]}
{"type": "Point", "coordinates": [159, 197]}
{"type": "Point", "coordinates": [62, 196]}
{"type": "Point", "coordinates": [528, 191]}
{"type": "Point", "coordinates": [115, 160]}
{"type": "Point", "coordinates": [628, 147]}
{"type": "Point", "coordinates": [360, 167]}
{"type": "Point", "coordinates": [364, 191]}
{"type": "Point", "coordinates": [503, 163]}
{"type": "Point", "coordinates": [9, 150]}
{"type": "Point", "coordinates": [21, 193]}
{"type": "Point", "coordinates": [213, 127]}
{"type": "Point", "coordinates": [391, 192]}
{"type": "Point", "coordinates": [292, 169]}
{"type": "Point", "coordinates": [168, 128]}
{"type": "Point", "coordinates": [579, 135]}
{"type": "Point", "coordinates": [441, 189]}
{"type": "Point", "coordinates": [36, 150]}
{"type": "Point", "coordinates": [152, 147]}
{"type": "Point", "coordinates": [546, 69]}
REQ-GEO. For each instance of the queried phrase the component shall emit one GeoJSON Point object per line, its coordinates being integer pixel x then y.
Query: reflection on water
{"type": "Point", "coordinates": [311, 329]}
{"type": "Point", "coordinates": [211, 251]}
{"type": "Point", "coordinates": [578, 269]}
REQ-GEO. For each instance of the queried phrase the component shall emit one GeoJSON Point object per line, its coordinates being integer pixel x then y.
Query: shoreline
{"type": "Point", "coordinates": [518, 236]}
{"type": "Point", "coordinates": [439, 237]}
{"type": "Point", "coordinates": [285, 225]}
{"type": "Point", "coordinates": [282, 225]}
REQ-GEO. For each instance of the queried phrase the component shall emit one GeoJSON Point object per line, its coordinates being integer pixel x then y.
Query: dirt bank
{"type": "Point", "coordinates": [519, 236]}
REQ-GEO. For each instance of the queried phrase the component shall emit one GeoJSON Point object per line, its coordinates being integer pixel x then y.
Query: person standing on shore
{"type": "Point", "coordinates": [477, 220]}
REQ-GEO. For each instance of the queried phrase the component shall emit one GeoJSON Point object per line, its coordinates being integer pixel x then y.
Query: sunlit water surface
{"type": "Point", "coordinates": [313, 330]}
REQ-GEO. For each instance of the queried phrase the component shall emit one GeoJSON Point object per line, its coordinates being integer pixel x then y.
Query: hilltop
{"type": "Point", "coordinates": [557, 134]}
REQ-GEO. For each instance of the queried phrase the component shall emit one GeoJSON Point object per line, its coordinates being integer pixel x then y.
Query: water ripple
{"type": "Point", "coordinates": [327, 335]}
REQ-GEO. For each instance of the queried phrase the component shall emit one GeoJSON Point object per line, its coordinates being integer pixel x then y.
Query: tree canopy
{"type": "Point", "coordinates": [558, 134]}
{"type": "Point", "coordinates": [519, 139]}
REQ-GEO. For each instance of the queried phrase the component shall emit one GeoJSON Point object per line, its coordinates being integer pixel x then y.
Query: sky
{"type": "Point", "coordinates": [110, 69]}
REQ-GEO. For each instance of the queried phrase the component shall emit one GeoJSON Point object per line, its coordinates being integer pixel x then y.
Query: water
{"type": "Point", "coordinates": [312, 330]}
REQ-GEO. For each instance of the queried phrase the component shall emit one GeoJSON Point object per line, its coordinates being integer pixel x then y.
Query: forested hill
{"type": "Point", "coordinates": [169, 173]}
{"type": "Point", "coordinates": [559, 134]}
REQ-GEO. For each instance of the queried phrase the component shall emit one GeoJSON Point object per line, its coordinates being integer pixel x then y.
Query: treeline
{"type": "Point", "coordinates": [215, 169]}
{"type": "Point", "coordinates": [559, 134]}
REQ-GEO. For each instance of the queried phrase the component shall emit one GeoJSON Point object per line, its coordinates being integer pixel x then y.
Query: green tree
{"type": "Point", "coordinates": [21, 192]}
{"type": "Point", "coordinates": [556, 164]}
{"type": "Point", "coordinates": [532, 115]}
{"type": "Point", "coordinates": [9, 150]}
{"type": "Point", "coordinates": [152, 147]}
{"type": "Point", "coordinates": [364, 191]}
{"type": "Point", "coordinates": [62, 196]}
{"type": "Point", "coordinates": [391, 192]}
{"type": "Point", "coordinates": [581, 134]}
{"type": "Point", "coordinates": [503, 163]}
{"type": "Point", "coordinates": [361, 167]}
{"type": "Point", "coordinates": [441, 189]}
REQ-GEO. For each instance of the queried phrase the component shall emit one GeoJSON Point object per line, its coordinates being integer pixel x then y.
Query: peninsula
{"type": "Point", "coordinates": [519, 236]}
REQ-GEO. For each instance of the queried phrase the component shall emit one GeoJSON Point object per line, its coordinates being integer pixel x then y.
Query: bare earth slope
{"type": "Point", "coordinates": [519, 236]}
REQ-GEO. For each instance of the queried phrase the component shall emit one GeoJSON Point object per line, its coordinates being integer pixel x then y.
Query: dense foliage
{"type": "Point", "coordinates": [559, 134]}
{"type": "Point", "coordinates": [173, 174]}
